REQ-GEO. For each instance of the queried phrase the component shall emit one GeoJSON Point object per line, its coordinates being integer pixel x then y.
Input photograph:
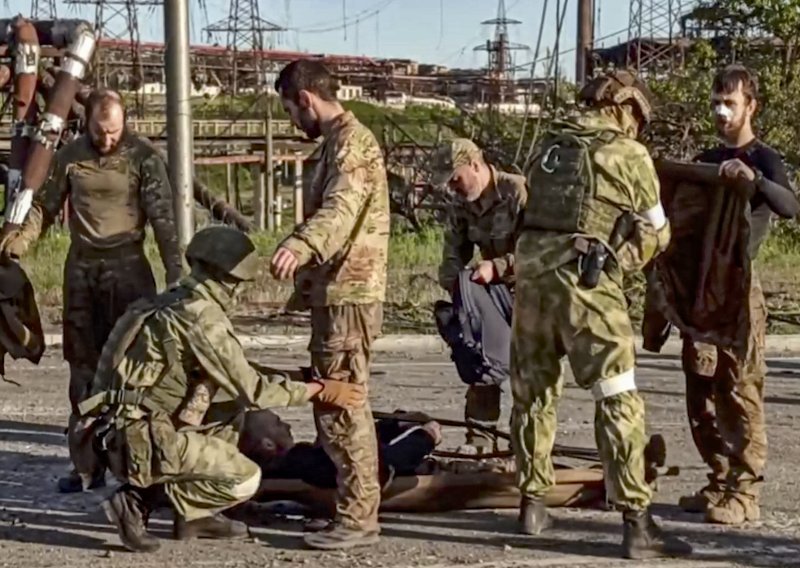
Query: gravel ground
{"type": "Point", "coordinates": [39, 527]}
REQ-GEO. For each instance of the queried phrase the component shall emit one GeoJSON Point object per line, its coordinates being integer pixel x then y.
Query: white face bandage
{"type": "Point", "coordinates": [656, 217]}
{"type": "Point", "coordinates": [723, 111]}
{"type": "Point", "coordinates": [607, 388]}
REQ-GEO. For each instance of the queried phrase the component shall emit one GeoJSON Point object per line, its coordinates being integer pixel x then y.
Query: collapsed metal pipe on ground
{"type": "Point", "coordinates": [74, 63]}
{"type": "Point", "coordinates": [26, 51]}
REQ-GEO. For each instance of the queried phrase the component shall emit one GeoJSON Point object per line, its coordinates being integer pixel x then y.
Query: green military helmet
{"type": "Point", "coordinates": [617, 87]}
{"type": "Point", "coordinates": [227, 250]}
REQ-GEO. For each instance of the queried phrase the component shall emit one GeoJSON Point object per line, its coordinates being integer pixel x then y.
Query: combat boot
{"type": "Point", "coordinates": [708, 496]}
{"type": "Point", "coordinates": [643, 538]}
{"type": "Point", "coordinates": [77, 483]}
{"type": "Point", "coordinates": [533, 516]}
{"type": "Point", "coordinates": [125, 508]}
{"type": "Point", "coordinates": [339, 537]}
{"type": "Point", "coordinates": [734, 509]}
{"type": "Point", "coordinates": [217, 527]}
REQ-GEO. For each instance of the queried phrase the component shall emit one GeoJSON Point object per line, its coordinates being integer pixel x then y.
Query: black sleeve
{"type": "Point", "coordinates": [775, 185]}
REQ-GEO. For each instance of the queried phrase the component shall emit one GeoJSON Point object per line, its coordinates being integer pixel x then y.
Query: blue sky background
{"type": "Point", "coordinates": [430, 31]}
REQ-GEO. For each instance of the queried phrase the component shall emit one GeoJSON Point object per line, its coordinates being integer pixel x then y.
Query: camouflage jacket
{"type": "Point", "coordinates": [488, 223]}
{"type": "Point", "coordinates": [188, 340]}
{"type": "Point", "coordinates": [342, 245]}
{"type": "Point", "coordinates": [624, 176]}
{"type": "Point", "coordinates": [111, 198]}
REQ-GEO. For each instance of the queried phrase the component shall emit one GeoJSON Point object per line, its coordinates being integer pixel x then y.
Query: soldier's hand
{"type": "Point", "coordinates": [11, 246]}
{"type": "Point", "coordinates": [284, 264]}
{"type": "Point", "coordinates": [341, 394]}
{"type": "Point", "coordinates": [485, 272]}
{"type": "Point", "coordinates": [736, 168]}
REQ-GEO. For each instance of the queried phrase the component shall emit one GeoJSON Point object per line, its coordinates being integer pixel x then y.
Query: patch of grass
{"type": "Point", "coordinates": [412, 280]}
{"type": "Point", "coordinates": [412, 288]}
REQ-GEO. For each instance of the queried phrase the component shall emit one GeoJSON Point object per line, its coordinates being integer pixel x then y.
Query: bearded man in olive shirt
{"type": "Point", "coordinates": [115, 183]}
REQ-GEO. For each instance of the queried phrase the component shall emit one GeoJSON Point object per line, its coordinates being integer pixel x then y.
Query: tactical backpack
{"type": "Point", "coordinates": [477, 328]}
{"type": "Point", "coordinates": [562, 185]}
{"type": "Point", "coordinates": [107, 387]}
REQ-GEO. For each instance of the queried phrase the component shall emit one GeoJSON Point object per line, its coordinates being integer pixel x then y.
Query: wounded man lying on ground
{"type": "Point", "coordinates": [268, 441]}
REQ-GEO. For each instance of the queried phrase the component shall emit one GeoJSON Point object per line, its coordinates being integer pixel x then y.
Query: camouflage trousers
{"type": "Point", "coordinates": [554, 316]}
{"type": "Point", "coordinates": [98, 288]}
{"type": "Point", "coordinates": [202, 471]}
{"type": "Point", "coordinates": [341, 338]}
{"type": "Point", "coordinates": [482, 406]}
{"type": "Point", "coordinates": [725, 404]}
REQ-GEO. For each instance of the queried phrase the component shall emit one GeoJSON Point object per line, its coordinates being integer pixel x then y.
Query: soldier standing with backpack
{"type": "Point", "coordinates": [594, 214]}
{"type": "Point", "coordinates": [488, 202]}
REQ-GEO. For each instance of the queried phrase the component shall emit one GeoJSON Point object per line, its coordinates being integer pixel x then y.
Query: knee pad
{"type": "Point", "coordinates": [607, 388]}
{"type": "Point", "coordinates": [247, 488]}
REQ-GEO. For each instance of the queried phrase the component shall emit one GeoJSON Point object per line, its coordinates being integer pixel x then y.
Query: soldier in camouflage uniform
{"type": "Point", "coordinates": [339, 256]}
{"type": "Point", "coordinates": [484, 216]}
{"type": "Point", "coordinates": [114, 183]}
{"type": "Point", "coordinates": [166, 405]}
{"type": "Point", "coordinates": [594, 212]}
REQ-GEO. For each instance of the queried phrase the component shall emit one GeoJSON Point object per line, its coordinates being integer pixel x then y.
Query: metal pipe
{"type": "Point", "coordinates": [51, 122]}
{"type": "Point", "coordinates": [583, 56]}
{"type": "Point", "coordinates": [56, 33]}
{"type": "Point", "coordinates": [269, 166]}
{"type": "Point", "coordinates": [179, 114]}
{"type": "Point", "coordinates": [258, 197]}
{"type": "Point", "coordinates": [25, 44]}
{"type": "Point", "coordinates": [298, 188]}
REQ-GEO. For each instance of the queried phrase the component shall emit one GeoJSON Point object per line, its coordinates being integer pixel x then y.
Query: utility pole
{"type": "Point", "coordinates": [179, 115]}
{"type": "Point", "coordinates": [269, 169]}
{"type": "Point", "coordinates": [585, 42]}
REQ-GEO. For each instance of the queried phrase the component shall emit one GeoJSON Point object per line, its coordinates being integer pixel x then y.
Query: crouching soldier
{"type": "Point", "coordinates": [148, 413]}
{"type": "Point", "coordinates": [484, 215]}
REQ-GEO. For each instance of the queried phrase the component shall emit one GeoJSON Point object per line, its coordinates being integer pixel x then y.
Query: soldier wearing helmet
{"type": "Point", "coordinates": [165, 406]}
{"type": "Point", "coordinates": [593, 214]}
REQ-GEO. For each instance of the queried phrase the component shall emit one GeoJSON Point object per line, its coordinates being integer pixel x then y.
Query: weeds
{"type": "Point", "coordinates": [412, 281]}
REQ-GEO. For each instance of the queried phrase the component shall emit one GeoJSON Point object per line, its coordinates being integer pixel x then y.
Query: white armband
{"type": "Point", "coordinates": [656, 216]}
{"type": "Point", "coordinates": [20, 207]}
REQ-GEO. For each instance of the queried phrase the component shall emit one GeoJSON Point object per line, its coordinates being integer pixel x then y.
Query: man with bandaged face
{"type": "Point", "coordinates": [725, 394]}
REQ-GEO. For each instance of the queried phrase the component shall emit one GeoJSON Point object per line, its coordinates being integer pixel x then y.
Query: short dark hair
{"type": "Point", "coordinates": [730, 77]}
{"type": "Point", "coordinates": [306, 75]}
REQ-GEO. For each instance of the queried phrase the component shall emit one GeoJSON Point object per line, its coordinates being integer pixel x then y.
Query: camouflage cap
{"type": "Point", "coordinates": [451, 155]}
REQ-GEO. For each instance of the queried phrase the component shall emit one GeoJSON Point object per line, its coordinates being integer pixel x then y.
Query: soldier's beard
{"type": "Point", "coordinates": [107, 151]}
{"type": "Point", "coordinates": [309, 124]}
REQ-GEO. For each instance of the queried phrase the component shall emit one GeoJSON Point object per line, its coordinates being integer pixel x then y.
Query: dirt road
{"type": "Point", "coordinates": [39, 527]}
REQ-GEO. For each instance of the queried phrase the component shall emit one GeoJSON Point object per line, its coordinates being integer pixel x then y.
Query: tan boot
{"type": "Point", "coordinates": [734, 509]}
{"type": "Point", "coordinates": [708, 496]}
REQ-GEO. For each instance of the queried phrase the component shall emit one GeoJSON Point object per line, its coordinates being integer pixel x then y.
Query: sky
{"type": "Point", "coordinates": [429, 31]}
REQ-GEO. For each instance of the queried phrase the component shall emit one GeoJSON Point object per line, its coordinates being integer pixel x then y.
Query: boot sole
{"type": "Point", "coordinates": [653, 554]}
{"type": "Point", "coordinates": [210, 537]}
{"type": "Point", "coordinates": [341, 544]}
{"type": "Point", "coordinates": [114, 519]}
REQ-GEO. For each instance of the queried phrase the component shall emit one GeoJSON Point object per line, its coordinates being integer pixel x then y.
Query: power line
{"type": "Point", "coordinates": [566, 51]}
{"type": "Point", "coordinates": [364, 14]}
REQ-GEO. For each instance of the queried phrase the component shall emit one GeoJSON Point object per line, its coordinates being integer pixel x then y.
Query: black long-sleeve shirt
{"type": "Point", "coordinates": [774, 194]}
